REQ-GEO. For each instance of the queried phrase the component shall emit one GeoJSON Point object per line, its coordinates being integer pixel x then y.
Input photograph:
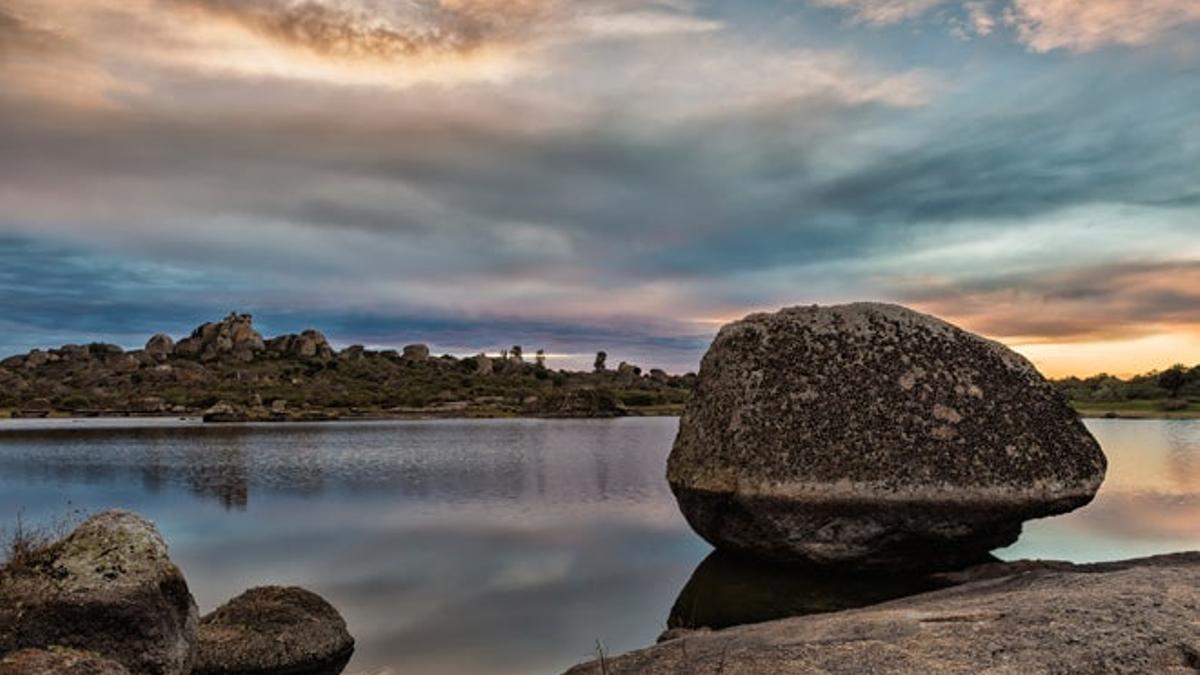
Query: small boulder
{"type": "Point", "coordinates": [874, 436]}
{"type": "Point", "coordinates": [58, 661]}
{"type": "Point", "coordinates": [273, 629]}
{"type": "Point", "coordinates": [110, 588]}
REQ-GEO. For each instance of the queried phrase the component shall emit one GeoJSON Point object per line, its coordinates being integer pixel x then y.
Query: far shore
{"type": "Point", "coordinates": [342, 415]}
{"type": "Point", "coordinates": [1137, 410]}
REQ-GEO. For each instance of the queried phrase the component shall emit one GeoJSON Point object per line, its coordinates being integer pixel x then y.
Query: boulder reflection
{"type": "Point", "coordinates": [727, 590]}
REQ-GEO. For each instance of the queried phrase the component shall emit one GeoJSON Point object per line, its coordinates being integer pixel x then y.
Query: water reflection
{"type": "Point", "coordinates": [502, 546]}
{"type": "Point", "coordinates": [727, 590]}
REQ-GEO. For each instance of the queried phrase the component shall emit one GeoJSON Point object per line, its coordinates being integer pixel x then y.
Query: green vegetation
{"type": "Point", "coordinates": [1174, 392]}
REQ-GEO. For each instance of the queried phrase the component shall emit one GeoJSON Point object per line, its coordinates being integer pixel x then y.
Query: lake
{"type": "Point", "coordinates": [483, 546]}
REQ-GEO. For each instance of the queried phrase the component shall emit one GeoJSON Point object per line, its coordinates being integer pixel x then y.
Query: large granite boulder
{"type": "Point", "coordinates": [1137, 616]}
{"type": "Point", "coordinates": [58, 661]}
{"type": "Point", "coordinates": [108, 588]}
{"type": "Point", "coordinates": [874, 436]}
{"type": "Point", "coordinates": [273, 630]}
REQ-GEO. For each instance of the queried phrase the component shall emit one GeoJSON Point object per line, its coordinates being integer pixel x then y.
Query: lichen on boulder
{"type": "Point", "coordinates": [109, 588]}
{"type": "Point", "coordinates": [874, 436]}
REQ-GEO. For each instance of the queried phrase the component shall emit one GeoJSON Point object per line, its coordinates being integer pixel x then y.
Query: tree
{"type": "Point", "coordinates": [601, 357]}
{"type": "Point", "coordinates": [540, 358]}
{"type": "Point", "coordinates": [516, 353]}
{"type": "Point", "coordinates": [1173, 380]}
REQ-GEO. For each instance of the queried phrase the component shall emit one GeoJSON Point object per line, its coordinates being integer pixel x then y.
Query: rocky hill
{"type": "Point", "coordinates": [228, 370]}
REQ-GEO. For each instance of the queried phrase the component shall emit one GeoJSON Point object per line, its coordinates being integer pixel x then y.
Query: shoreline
{"type": "Point", "coordinates": [337, 416]}
{"type": "Point", "coordinates": [310, 416]}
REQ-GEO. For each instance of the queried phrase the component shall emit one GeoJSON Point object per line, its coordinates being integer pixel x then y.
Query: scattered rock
{"type": "Point", "coordinates": [58, 661]}
{"type": "Point", "coordinates": [273, 629]}
{"type": "Point", "coordinates": [109, 588]}
{"type": "Point", "coordinates": [1129, 617]}
{"type": "Point", "coordinates": [160, 347]}
{"type": "Point", "coordinates": [225, 413]}
{"type": "Point", "coordinates": [36, 359]}
{"type": "Point", "coordinates": [353, 353]}
{"type": "Point", "coordinates": [874, 436]}
{"type": "Point", "coordinates": [483, 364]}
{"type": "Point", "coordinates": [416, 352]}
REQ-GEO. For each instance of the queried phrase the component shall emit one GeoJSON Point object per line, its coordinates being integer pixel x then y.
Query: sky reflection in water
{"type": "Point", "coordinates": [504, 546]}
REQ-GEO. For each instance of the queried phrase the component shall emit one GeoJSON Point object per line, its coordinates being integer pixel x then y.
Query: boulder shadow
{"type": "Point", "coordinates": [727, 590]}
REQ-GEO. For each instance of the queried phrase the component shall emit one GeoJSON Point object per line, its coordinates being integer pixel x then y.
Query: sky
{"type": "Point", "coordinates": [623, 175]}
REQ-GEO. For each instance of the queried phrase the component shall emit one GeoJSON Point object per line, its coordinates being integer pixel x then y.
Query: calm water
{"type": "Point", "coordinates": [503, 546]}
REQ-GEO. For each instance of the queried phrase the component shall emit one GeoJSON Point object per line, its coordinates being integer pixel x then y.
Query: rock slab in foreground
{"type": "Point", "coordinates": [876, 436]}
{"type": "Point", "coordinates": [1139, 616]}
{"type": "Point", "coordinates": [108, 588]}
{"type": "Point", "coordinates": [58, 661]}
{"type": "Point", "coordinates": [273, 630]}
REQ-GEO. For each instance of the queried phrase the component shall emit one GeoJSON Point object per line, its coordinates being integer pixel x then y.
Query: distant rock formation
{"type": "Point", "coordinates": [229, 363]}
{"type": "Point", "coordinates": [875, 436]}
{"type": "Point", "coordinates": [233, 336]}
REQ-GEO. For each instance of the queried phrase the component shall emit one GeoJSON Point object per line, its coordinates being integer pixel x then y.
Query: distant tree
{"type": "Point", "coordinates": [540, 358]}
{"type": "Point", "coordinates": [1173, 380]}
{"type": "Point", "coordinates": [601, 357]}
{"type": "Point", "coordinates": [516, 353]}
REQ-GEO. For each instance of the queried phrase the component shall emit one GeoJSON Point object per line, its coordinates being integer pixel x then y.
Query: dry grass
{"type": "Point", "coordinates": [21, 542]}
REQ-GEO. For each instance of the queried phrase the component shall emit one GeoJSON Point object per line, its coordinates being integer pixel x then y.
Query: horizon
{"type": "Point", "coordinates": [618, 175]}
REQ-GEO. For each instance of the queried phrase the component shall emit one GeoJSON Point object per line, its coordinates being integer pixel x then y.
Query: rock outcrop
{"type": "Point", "coordinates": [1132, 617]}
{"type": "Point", "coordinates": [108, 588]}
{"type": "Point", "coordinates": [874, 436]}
{"type": "Point", "coordinates": [232, 337]}
{"type": "Point", "coordinates": [270, 630]}
{"type": "Point", "coordinates": [58, 661]}
{"type": "Point", "coordinates": [310, 344]}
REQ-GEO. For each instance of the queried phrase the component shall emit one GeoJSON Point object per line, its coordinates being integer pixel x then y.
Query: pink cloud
{"type": "Point", "coordinates": [1086, 25]}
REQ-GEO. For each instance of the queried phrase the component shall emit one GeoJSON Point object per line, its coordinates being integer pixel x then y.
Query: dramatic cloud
{"type": "Point", "coordinates": [344, 30]}
{"type": "Point", "coordinates": [1102, 302]}
{"type": "Point", "coordinates": [619, 173]}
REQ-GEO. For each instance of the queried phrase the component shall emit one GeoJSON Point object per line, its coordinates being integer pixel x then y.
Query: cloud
{"type": "Point", "coordinates": [1041, 25]}
{"type": "Point", "coordinates": [1081, 26]}
{"type": "Point", "coordinates": [358, 31]}
{"type": "Point", "coordinates": [880, 12]}
{"type": "Point", "coordinates": [1110, 301]}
